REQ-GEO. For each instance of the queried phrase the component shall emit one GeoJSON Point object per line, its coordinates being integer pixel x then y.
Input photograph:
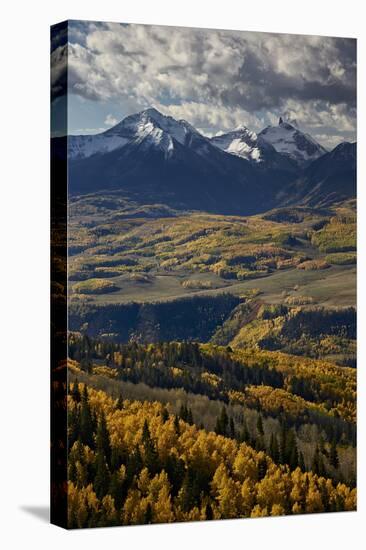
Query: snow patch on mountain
{"type": "Point", "coordinates": [240, 142]}
{"type": "Point", "coordinates": [86, 146]}
{"type": "Point", "coordinates": [150, 136]}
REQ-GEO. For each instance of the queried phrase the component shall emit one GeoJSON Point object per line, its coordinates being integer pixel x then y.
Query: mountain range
{"type": "Point", "coordinates": [157, 159]}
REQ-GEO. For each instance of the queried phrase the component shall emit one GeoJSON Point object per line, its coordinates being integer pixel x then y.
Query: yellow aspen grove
{"type": "Point", "coordinates": [201, 476]}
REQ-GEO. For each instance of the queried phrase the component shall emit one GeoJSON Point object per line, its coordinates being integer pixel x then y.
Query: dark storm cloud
{"type": "Point", "coordinates": [259, 85]}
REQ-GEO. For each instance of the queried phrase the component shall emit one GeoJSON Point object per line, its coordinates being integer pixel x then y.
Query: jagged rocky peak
{"type": "Point", "coordinates": [289, 140]}
{"type": "Point", "coordinates": [285, 120]}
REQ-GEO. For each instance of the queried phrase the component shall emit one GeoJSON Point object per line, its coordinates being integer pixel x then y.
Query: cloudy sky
{"type": "Point", "coordinates": [214, 79]}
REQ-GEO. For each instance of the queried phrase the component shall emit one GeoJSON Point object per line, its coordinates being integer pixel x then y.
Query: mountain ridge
{"type": "Point", "coordinates": [157, 158]}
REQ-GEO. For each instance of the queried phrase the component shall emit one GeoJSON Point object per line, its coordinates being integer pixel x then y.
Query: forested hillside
{"type": "Point", "coordinates": [300, 412]}
{"type": "Point", "coordinates": [132, 462]}
{"type": "Point", "coordinates": [293, 327]}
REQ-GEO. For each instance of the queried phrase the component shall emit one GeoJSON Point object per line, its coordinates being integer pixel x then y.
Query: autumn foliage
{"type": "Point", "coordinates": [134, 462]}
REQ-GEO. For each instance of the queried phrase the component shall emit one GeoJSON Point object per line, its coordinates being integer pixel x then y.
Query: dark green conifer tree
{"type": "Point", "coordinates": [283, 445]}
{"type": "Point", "coordinates": [190, 417]}
{"type": "Point", "coordinates": [165, 414]}
{"type": "Point", "coordinates": [71, 468]}
{"type": "Point", "coordinates": [73, 425]}
{"type": "Point", "coordinates": [209, 512]}
{"type": "Point", "coordinates": [274, 450]}
{"type": "Point", "coordinates": [317, 465]}
{"type": "Point", "coordinates": [190, 490]}
{"type": "Point", "coordinates": [102, 439]}
{"type": "Point", "coordinates": [244, 433]}
{"type": "Point", "coordinates": [148, 514]}
{"type": "Point", "coordinates": [151, 455]}
{"type": "Point", "coordinates": [302, 462]}
{"type": "Point", "coordinates": [119, 405]}
{"type": "Point", "coordinates": [292, 456]}
{"type": "Point", "coordinates": [183, 412]}
{"type": "Point", "coordinates": [116, 489]}
{"type": "Point", "coordinates": [222, 422]}
{"type": "Point", "coordinates": [260, 428]}
{"type": "Point", "coordinates": [262, 468]}
{"type": "Point", "coordinates": [333, 454]}
{"type": "Point", "coordinates": [102, 477]}
{"type": "Point", "coordinates": [75, 392]}
{"type": "Point", "coordinates": [232, 428]}
{"type": "Point", "coordinates": [176, 425]}
{"type": "Point", "coordinates": [134, 465]}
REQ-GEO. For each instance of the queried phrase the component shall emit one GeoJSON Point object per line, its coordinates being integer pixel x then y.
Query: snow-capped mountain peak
{"type": "Point", "coordinates": [287, 139]}
{"type": "Point", "coordinates": [149, 128]}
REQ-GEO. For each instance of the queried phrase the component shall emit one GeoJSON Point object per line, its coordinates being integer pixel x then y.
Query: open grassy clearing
{"type": "Point", "coordinates": [335, 286]}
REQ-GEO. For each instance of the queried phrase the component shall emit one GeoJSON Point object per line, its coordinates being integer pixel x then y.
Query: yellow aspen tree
{"type": "Point", "coordinates": [271, 490]}
{"type": "Point", "coordinates": [143, 481]}
{"type": "Point", "coordinates": [227, 493]}
{"type": "Point", "coordinates": [247, 496]}
{"type": "Point", "coordinates": [166, 439]}
{"type": "Point", "coordinates": [157, 483]}
{"type": "Point", "coordinates": [296, 508]}
{"type": "Point", "coordinates": [193, 515]}
{"type": "Point", "coordinates": [348, 496]}
{"type": "Point", "coordinates": [108, 509]}
{"type": "Point", "coordinates": [259, 512]}
{"type": "Point", "coordinates": [81, 474]}
{"type": "Point", "coordinates": [133, 511]}
{"type": "Point", "coordinates": [298, 491]}
{"type": "Point", "coordinates": [72, 504]}
{"type": "Point", "coordinates": [277, 510]}
{"type": "Point", "coordinates": [313, 498]}
{"type": "Point", "coordinates": [92, 501]}
{"type": "Point", "coordinates": [83, 506]}
{"type": "Point", "coordinates": [163, 512]}
{"type": "Point", "coordinates": [350, 501]}
{"type": "Point", "coordinates": [244, 465]}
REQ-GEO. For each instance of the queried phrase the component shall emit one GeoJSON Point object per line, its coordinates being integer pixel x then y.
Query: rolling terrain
{"type": "Point", "coordinates": [212, 324]}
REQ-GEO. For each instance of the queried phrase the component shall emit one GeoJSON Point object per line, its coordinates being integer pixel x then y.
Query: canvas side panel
{"type": "Point", "coordinates": [59, 34]}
